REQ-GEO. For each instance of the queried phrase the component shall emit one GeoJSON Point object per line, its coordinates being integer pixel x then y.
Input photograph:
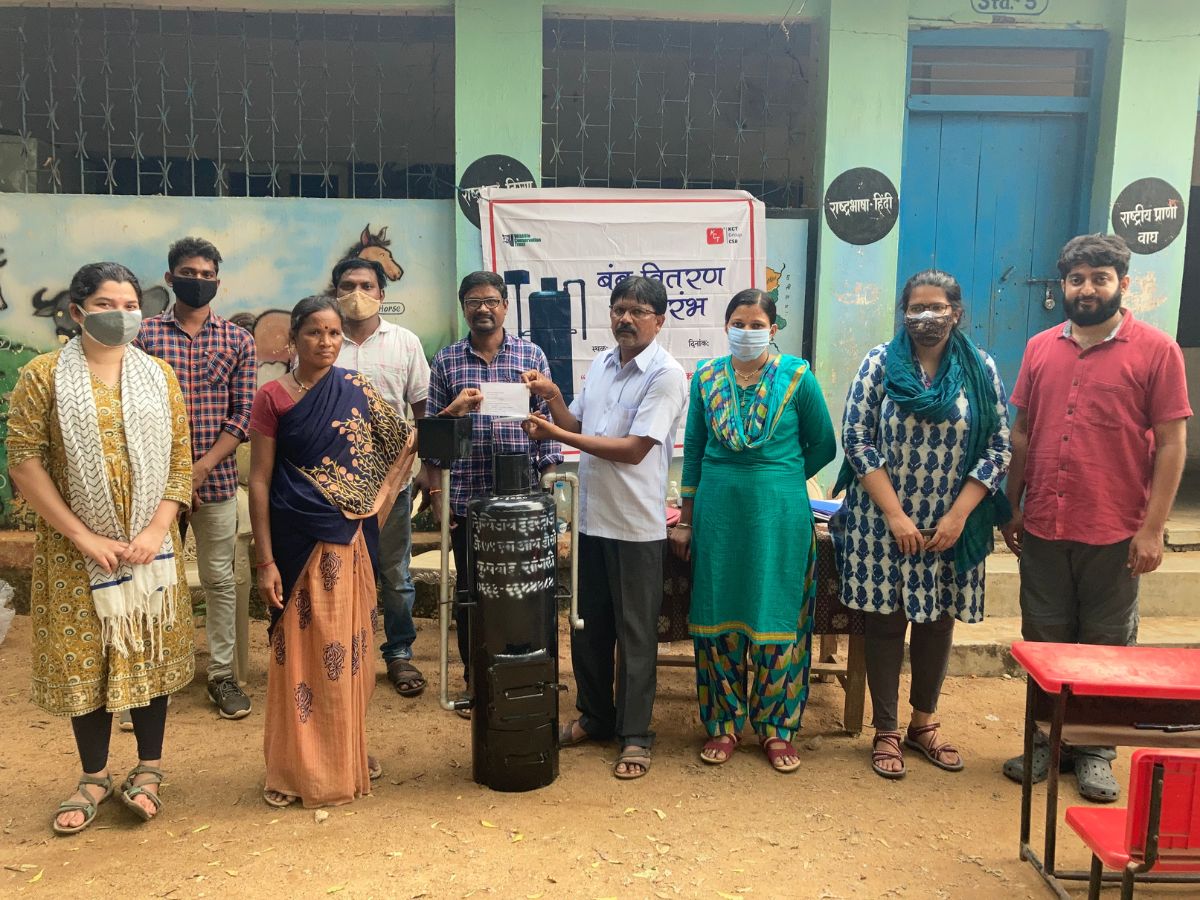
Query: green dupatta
{"type": "Point", "coordinates": [962, 369]}
{"type": "Point", "coordinates": [745, 429]}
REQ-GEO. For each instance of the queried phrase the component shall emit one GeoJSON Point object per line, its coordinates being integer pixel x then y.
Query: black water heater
{"type": "Point", "coordinates": [512, 554]}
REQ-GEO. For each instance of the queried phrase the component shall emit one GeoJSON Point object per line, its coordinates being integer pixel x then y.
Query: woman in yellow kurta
{"type": "Point", "coordinates": [98, 446]}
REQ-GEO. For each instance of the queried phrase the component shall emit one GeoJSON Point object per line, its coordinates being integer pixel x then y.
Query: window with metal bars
{"type": "Point", "coordinates": [1001, 71]}
{"type": "Point", "coordinates": [653, 104]}
{"type": "Point", "coordinates": [192, 102]}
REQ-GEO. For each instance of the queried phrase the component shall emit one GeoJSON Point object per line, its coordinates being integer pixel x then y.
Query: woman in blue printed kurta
{"type": "Point", "coordinates": [925, 433]}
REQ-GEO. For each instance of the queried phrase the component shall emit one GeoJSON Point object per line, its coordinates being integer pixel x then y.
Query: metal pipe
{"type": "Point", "coordinates": [444, 596]}
{"type": "Point", "coordinates": [573, 585]}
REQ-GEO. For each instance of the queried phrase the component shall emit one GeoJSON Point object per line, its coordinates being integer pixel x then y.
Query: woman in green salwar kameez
{"type": "Point", "coordinates": [757, 429]}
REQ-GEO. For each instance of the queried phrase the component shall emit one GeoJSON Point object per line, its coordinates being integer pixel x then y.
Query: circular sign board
{"type": "Point", "coordinates": [495, 170]}
{"type": "Point", "coordinates": [1148, 214]}
{"type": "Point", "coordinates": [861, 206]}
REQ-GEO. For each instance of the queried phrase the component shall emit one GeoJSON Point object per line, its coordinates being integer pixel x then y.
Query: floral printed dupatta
{"type": "Point", "coordinates": [342, 455]}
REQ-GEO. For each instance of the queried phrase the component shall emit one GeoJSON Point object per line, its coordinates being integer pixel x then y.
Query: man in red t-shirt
{"type": "Point", "coordinates": [1098, 451]}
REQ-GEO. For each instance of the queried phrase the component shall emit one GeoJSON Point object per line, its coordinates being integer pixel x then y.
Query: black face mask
{"type": "Point", "coordinates": [194, 292]}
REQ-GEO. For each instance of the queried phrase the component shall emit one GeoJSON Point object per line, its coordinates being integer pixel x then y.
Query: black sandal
{"type": "Point", "coordinates": [405, 678]}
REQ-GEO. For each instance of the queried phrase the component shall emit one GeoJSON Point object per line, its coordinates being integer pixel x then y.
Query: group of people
{"type": "Point", "coordinates": [127, 435]}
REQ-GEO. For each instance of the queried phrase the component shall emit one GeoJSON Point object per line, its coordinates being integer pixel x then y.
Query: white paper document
{"type": "Point", "coordinates": [505, 401]}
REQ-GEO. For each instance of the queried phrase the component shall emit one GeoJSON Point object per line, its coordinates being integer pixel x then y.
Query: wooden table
{"type": "Point", "coordinates": [1093, 695]}
{"type": "Point", "coordinates": [830, 619]}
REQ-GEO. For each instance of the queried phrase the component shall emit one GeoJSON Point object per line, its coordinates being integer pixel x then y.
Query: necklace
{"type": "Point", "coordinates": [300, 384]}
{"type": "Point", "coordinates": [748, 376]}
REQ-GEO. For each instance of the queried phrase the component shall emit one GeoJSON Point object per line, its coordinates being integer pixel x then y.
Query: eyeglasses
{"type": "Point", "coordinates": [637, 313]}
{"type": "Point", "coordinates": [938, 309]}
{"type": "Point", "coordinates": [476, 305]}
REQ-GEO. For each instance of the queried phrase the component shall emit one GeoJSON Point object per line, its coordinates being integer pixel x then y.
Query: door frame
{"type": "Point", "coordinates": [1018, 39]}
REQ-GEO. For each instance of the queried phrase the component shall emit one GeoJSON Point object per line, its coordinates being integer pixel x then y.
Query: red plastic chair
{"type": "Point", "coordinates": [1160, 830]}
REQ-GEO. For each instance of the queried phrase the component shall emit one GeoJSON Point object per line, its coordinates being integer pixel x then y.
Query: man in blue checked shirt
{"type": "Point", "coordinates": [488, 354]}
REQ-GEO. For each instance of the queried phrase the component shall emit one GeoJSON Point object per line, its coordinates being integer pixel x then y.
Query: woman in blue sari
{"type": "Point", "coordinates": [328, 457]}
{"type": "Point", "coordinates": [757, 429]}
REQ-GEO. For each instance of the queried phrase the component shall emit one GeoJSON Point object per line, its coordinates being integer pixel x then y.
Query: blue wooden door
{"type": "Point", "coordinates": [991, 198]}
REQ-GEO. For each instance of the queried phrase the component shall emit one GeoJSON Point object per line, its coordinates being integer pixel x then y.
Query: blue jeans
{"type": "Point", "coordinates": [396, 591]}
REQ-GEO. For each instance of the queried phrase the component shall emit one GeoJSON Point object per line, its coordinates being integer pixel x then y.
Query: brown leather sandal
{"type": "Point", "coordinates": [891, 750]}
{"type": "Point", "coordinates": [933, 751]}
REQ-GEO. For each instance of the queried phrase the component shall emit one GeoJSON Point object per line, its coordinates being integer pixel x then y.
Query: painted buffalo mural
{"type": "Point", "coordinates": [154, 301]}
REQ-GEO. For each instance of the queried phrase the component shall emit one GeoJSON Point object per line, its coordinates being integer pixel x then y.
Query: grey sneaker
{"type": "Point", "coordinates": [231, 700]}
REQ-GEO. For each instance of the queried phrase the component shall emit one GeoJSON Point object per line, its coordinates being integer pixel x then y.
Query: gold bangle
{"type": "Point", "coordinates": [683, 524]}
{"type": "Point", "coordinates": [434, 491]}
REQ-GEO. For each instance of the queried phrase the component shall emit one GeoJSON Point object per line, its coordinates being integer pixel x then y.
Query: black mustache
{"type": "Point", "coordinates": [626, 329]}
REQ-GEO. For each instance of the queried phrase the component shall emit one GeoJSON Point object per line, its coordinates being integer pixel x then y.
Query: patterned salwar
{"type": "Point", "coordinates": [73, 673]}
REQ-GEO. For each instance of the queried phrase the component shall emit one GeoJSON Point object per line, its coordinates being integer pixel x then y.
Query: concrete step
{"type": "Point", "coordinates": [983, 649]}
{"type": "Point", "coordinates": [1170, 590]}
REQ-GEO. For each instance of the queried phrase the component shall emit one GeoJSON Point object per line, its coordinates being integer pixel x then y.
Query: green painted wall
{"type": "Point", "coordinates": [1148, 129]}
{"type": "Point", "coordinates": [1057, 13]}
{"type": "Point", "coordinates": [866, 48]}
{"type": "Point", "coordinates": [498, 98]}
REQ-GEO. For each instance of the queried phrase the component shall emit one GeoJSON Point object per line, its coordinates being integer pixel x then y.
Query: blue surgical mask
{"type": "Point", "coordinates": [748, 343]}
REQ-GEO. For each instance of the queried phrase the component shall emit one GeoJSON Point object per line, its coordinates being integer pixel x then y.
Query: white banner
{"type": "Point", "coordinates": [562, 250]}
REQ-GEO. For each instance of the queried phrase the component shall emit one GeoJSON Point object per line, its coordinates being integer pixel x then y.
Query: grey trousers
{"type": "Point", "coordinates": [620, 597]}
{"type": "Point", "coordinates": [1073, 593]}
{"type": "Point", "coordinates": [929, 657]}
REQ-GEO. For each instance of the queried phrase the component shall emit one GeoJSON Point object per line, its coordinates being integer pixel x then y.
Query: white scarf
{"type": "Point", "coordinates": [133, 603]}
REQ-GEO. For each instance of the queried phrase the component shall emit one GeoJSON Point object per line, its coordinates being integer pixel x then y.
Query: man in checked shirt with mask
{"type": "Point", "coordinates": [215, 363]}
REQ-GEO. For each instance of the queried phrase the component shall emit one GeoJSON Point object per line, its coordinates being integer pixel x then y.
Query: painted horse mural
{"type": "Point", "coordinates": [374, 246]}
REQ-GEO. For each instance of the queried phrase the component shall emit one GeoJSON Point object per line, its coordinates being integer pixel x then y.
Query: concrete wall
{"type": "Point", "coordinates": [1191, 361]}
{"type": "Point", "coordinates": [1151, 130]}
{"type": "Point", "coordinates": [866, 46]}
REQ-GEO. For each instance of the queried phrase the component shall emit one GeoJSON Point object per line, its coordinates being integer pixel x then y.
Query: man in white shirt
{"type": "Point", "coordinates": [624, 422]}
{"type": "Point", "coordinates": [393, 359]}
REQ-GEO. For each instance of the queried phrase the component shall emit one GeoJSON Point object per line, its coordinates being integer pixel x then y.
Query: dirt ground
{"type": "Point", "coordinates": [831, 830]}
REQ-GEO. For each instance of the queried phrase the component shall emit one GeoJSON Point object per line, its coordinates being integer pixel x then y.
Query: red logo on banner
{"type": "Point", "coordinates": [716, 235]}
